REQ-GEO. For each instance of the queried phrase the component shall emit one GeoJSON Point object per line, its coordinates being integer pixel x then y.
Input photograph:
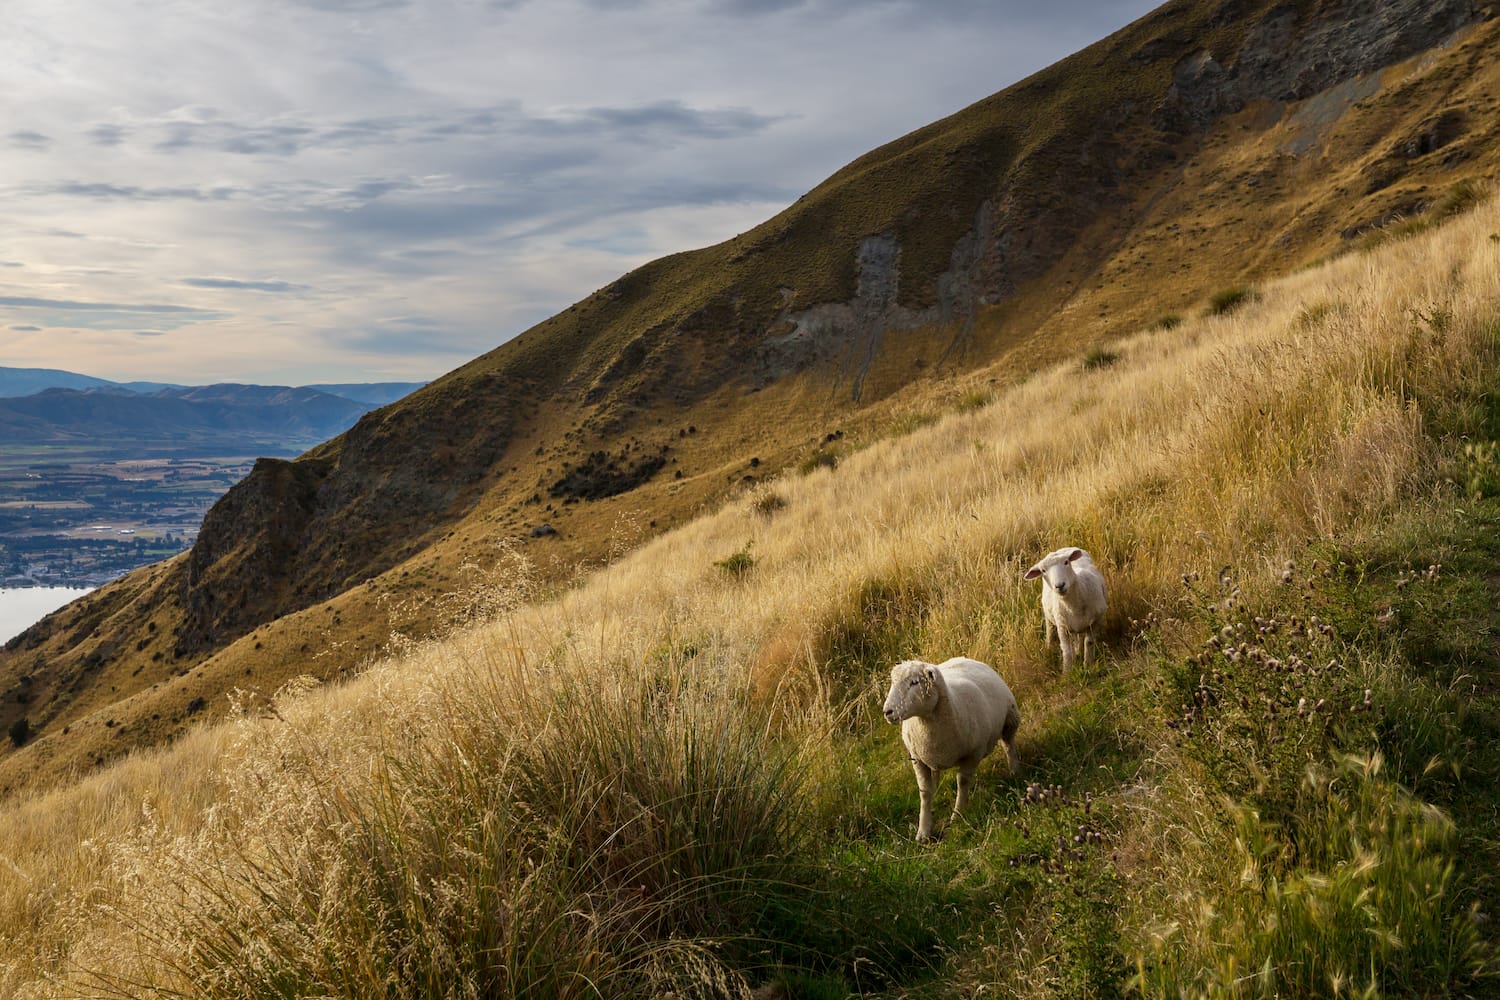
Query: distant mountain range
{"type": "Point", "coordinates": [60, 408]}
{"type": "Point", "coordinates": [29, 381]}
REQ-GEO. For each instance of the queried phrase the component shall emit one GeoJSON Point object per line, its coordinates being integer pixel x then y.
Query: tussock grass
{"type": "Point", "coordinates": [668, 779]}
{"type": "Point", "coordinates": [1360, 899]}
{"type": "Point", "coordinates": [1099, 357]}
{"type": "Point", "coordinates": [1228, 300]}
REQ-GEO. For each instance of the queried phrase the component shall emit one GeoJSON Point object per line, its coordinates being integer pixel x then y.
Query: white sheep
{"type": "Point", "coordinates": [952, 714]}
{"type": "Point", "coordinates": [1074, 597]}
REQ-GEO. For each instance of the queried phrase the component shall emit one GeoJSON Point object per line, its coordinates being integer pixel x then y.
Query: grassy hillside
{"type": "Point", "coordinates": [1131, 184]}
{"type": "Point", "coordinates": [1279, 779]}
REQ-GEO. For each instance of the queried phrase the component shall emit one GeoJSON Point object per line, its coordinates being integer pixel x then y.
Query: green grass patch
{"type": "Point", "coordinates": [1099, 357]}
{"type": "Point", "coordinates": [978, 399]}
{"type": "Point", "coordinates": [1226, 301]}
{"type": "Point", "coordinates": [1336, 747]}
{"type": "Point", "coordinates": [738, 563]}
{"type": "Point", "coordinates": [910, 422]}
{"type": "Point", "coordinates": [821, 458]}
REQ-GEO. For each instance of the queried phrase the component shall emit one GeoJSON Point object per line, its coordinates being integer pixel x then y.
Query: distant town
{"type": "Point", "coordinates": [98, 478]}
{"type": "Point", "coordinates": [81, 522]}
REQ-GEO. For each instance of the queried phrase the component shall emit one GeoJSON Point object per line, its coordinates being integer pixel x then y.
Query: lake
{"type": "Point", "coordinates": [22, 608]}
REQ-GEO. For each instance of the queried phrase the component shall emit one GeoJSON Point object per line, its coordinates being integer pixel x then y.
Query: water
{"type": "Point", "coordinates": [20, 609]}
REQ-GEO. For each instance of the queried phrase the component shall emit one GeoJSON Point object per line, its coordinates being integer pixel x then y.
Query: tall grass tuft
{"type": "Point", "coordinates": [1359, 898]}
{"type": "Point", "coordinates": [1301, 866]}
{"type": "Point", "coordinates": [1227, 300]}
{"type": "Point", "coordinates": [551, 839]}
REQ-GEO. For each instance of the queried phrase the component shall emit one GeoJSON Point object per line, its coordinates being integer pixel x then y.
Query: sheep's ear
{"type": "Point", "coordinates": [1033, 572]}
{"type": "Point", "coordinates": [1075, 554]}
{"type": "Point", "coordinates": [931, 671]}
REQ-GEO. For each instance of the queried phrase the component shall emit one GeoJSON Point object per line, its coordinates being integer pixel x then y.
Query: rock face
{"type": "Point", "coordinates": [1284, 59]}
{"type": "Point", "coordinates": [227, 564]}
{"type": "Point", "coordinates": [1284, 56]}
{"type": "Point", "coordinates": [294, 533]}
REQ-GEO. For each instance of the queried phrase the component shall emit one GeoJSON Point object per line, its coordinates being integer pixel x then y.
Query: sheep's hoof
{"type": "Point", "coordinates": [931, 838]}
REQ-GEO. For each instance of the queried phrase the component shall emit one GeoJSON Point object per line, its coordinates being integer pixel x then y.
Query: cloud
{"type": "Point", "coordinates": [542, 209]}
{"type": "Point", "coordinates": [27, 329]}
{"type": "Point", "coordinates": [27, 302]}
{"type": "Point", "coordinates": [26, 139]}
{"type": "Point", "coordinates": [290, 136]}
{"type": "Point", "coordinates": [119, 316]}
{"type": "Point", "coordinates": [107, 135]}
{"type": "Point", "coordinates": [662, 119]}
{"type": "Point", "coordinates": [131, 192]}
{"type": "Point", "coordinates": [970, 12]}
{"type": "Point", "coordinates": [409, 339]}
{"type": "Point", "coordinates": [351, 6]}
{"type": "Point", "coordinates": [252, 286]}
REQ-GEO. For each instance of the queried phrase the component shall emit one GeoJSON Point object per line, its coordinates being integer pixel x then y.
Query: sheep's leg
{"type": "Point", "coordinates": [1088, 646]}
{"type": "Point", "coordinates": [1008, 737]}
{"type": "Point", "coordinates": [1046, 630]}
{"type": "Point", "coordinates": [965, 786]}
{"type": "Point", "coordinates": [1065, 639]}
{"type": "Point", "coordinates": [925, 781]}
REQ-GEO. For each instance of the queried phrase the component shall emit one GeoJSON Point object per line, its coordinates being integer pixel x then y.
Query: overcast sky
{"type": "Point", "coordinates": [295, 191]}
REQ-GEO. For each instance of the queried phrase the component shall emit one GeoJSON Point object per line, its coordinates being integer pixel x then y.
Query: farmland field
{"type": "Point", "coordinates": [75, 516]}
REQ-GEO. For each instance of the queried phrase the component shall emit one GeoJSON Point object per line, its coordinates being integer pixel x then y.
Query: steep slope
{"type": "Point", "coordinates": [1206, 146]}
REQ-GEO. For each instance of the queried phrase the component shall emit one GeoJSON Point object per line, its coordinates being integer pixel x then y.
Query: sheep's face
{"type": "Point", "coordinates": [913, 691]}
{"type": "Point", "coordinates": [1056, 570]}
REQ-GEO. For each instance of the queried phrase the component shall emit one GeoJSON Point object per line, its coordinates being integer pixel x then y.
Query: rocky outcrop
{"type": "Point", "coordinates": [1323, 58]}
{"type": "Point", "coordinates": [848, 336]}
{"type": "Point", "coordinates": [249, 540]}
{"type": "Point", "coordinates": [1284, 59]}
{"type": "Point", "coordinates": [294, 533]}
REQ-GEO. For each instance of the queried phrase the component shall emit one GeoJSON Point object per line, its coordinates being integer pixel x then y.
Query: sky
{"type": "Point", "coordinates": [300, 191]}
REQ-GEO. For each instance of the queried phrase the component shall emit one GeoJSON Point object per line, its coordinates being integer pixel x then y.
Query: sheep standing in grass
{"type": "Point", "coordinates": [1074, 597]}
{"type": "Point", "coordinates": [952, 714]}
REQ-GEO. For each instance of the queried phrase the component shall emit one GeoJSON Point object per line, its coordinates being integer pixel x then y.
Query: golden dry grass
{"type": "Point", "coordinates": [1232, 439]}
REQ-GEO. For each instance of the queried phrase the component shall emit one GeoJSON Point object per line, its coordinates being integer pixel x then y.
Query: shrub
{"type": "Point", "coordinates": [1097, 358]}
{"type": "Point", "coordinates": [978, 399]}
{"type": "Point", "coordinates": [1310, 868]}
{"type": "Point", "coordinates": [908, 423]}
{"type": "Point", "coordinates": [1481, 469]}
{"type": "Point", "coordinates": [1312, 315]}
{"type": "Point", "coordinates": [20, 731]}
{"type": "Point", "coordinates": [1227, 301]}
{"type": "Point", "coordinates": [737, 564]}
{"type": "Point", "coordinates": [768, 502]}
{"type": "Point", "coordinates": [822, 458]}
{"type": "Point", "coordinates": [1460, 197]}
{"type": "Point", "coordinates": [1358, 895]}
